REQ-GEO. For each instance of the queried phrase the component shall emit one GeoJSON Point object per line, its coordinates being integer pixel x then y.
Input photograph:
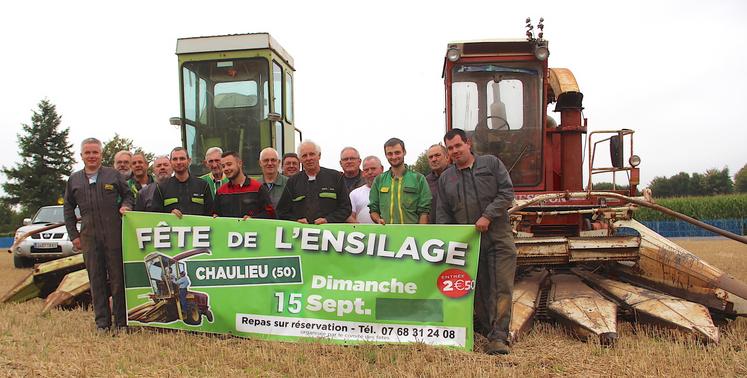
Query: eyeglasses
{"type": "Point", "coordinates": [269, 160]}
{"type": "Point", "coordinates": [350, 159]}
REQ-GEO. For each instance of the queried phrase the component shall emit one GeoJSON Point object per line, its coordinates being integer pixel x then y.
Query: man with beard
{"type": "Point", "coordinates": [215, 177]}
{"type": "Point", "coordinates": [182, 193]}
{"type": "Point", "coordinates": [102, 195]}
{"type": "Point", "coordinates": [271, 178]}
{"type": "Point", "coordinates": [122, 161]}
{"type": "Point", "coordinates": [317, 195]}
{"type": "Point", "coordinates": [478, 190]}
{"type": "Point", "coordinates": [162, 170]}
{"type": "Point", "coordinates": [438, 160]}
{"type": "Point", "coordinates": [140, 178]}
{"type": "Point", "coordinates": [242, 196]}
{"type": "Point", "coordinates": [291, 164]}
{"type": "Point", "coordinates": [399, 195]}
{"type": "Point", "coordinates": [350, 162]}
{"type": "Point", "coordinates": [359, 197]}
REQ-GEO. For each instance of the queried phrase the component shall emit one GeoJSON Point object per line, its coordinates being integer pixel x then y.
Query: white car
{"type": "Point", "coordinates": [47, 245]}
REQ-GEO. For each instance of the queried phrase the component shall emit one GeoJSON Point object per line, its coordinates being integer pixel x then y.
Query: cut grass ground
{"type": "Point", "coordinates": [64, 343]}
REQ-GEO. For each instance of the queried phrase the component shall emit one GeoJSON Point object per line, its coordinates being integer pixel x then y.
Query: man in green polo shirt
{"type": "Point", "coordinates": [215, 177]}
{"type": "Point", "coordinates": [399, 195]}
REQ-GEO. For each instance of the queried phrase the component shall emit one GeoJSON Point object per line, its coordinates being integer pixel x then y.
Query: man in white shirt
{"type": "Point", "coordinates": [359, 197]}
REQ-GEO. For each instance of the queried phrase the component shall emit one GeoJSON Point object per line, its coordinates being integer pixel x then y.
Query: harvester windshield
{"type": "Point", "coordinates": [224, 103]}
{"type": "Point", "coordinates": [162, 273]}
{"type": "Point", "coordinates": [498, 105]}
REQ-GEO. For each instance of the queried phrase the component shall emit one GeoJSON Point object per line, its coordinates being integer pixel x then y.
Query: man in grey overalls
{"type": "Point", "coordinates": [478, 190]}
{"type": "Point", "coordinates": [103, 196]}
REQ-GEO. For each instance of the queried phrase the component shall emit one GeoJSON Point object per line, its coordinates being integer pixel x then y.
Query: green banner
{"type": "Point", "coordinates": [283, 280]}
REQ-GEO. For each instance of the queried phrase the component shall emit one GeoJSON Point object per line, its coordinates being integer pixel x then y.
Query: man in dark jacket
{"type": "Point", "coordinates": [242, 196]}
{"type": "Point", "coordinates": [162, 172]}
{"type": "Point", "coordinates": [102, 195]}
{"type": "Point", "coordinates": [317, 195]}
{"type": "Point", "coordinates": [438, 160]}
{"type": "Point", "coordinates": [140, 178]}
{"type": "Point", "coordinates": [478, 190]}
{"type": "Point", "coordinates": [183, 193]}
{"type": "Point", "coordinates": [350, 162]}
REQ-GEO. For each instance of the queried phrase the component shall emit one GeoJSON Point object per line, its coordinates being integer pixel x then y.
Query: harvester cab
{"type": "Point", "coordinates": [236, 93]}
{"type": "Point", "coordinates": [498, 91]}
{"type": "Point", "coordinates": [163, 272]}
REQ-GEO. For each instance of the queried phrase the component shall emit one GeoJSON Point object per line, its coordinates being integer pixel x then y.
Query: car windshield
{"type": "Point", "coordinates": [52, 214]}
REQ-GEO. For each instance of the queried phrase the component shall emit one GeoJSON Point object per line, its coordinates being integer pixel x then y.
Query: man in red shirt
{"type": "Point", "coordinates": [242, 196]}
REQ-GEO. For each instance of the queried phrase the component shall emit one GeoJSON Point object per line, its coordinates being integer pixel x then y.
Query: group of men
{"type": "Point", "coordinates": [462, 188]}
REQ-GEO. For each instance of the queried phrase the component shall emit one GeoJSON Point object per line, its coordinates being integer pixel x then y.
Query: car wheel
{"type": "Point", "coordinates": [22, 262]}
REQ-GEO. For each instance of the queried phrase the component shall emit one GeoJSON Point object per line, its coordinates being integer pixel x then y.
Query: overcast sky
{"type": "Point", "coordinates": [675, 71]}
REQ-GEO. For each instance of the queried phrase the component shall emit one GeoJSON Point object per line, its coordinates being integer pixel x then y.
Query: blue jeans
{"type": "Point", "coordinates": [183, 301]}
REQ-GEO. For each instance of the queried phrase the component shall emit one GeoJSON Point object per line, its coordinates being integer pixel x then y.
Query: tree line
{"type": "Point", "coordinates": [713, 182]}
{"type": "Point", "coordinates": [46, 161]}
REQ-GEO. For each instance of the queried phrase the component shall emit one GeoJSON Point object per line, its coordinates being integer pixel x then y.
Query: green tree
{"type": "Point", "coordinates": [10, 220]}
{"type": "Point", "coordinates": [740, 180]}
{"type": "Point", "coordinates": [680, 184]}
{"type": "Point", "coordinates": [718, 181]}
{"type": "Point", "coordinates": [421, 164]}
{"type": "Point", "coordinates": [661, 187]}
{"type": "Point", "coordinates": [697, 185]}
{"type": "Point", "coordinates": [609, 186]}
{"type": "Point", "coordinates": [118, 143]}
{"type": "Point", "coordinates": [46, 160]}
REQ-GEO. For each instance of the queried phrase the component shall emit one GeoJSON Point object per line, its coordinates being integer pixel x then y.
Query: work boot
{"type": "Point", "coordinates": [497, 347]}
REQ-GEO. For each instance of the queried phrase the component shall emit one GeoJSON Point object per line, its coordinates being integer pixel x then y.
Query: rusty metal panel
{"type": "Point", "coordinates": [584, 311]}
{"type": "Point", "coordinates": [525, 295]}
{"type": "Point", "coordinates": [617, 248]}
{"type": "Point", "coordinates": [665, 266]}
{"type": "Point", "coordinates": [657, 308]}
{"type": "Point", "coordinates": [73, 285]}
{"type": "Point", "coordinates": [604, 243]}
{"type": "Point", "coordinates": [550, 250]}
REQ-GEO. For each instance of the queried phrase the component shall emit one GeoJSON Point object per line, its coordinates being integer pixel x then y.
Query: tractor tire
{"type": "Point", "coordinates": [209, 315]}
{"type": "Point", "coordinates": [193, 318]}
{"type": "Point", "coordinates": [22, 262]}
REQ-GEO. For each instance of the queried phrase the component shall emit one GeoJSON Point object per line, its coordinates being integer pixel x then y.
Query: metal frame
{"type": "Point", "coordinates": [592, 154]}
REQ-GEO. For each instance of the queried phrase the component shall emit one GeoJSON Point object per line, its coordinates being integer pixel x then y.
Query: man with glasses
{"type": "Point", "coordinates": [350, 161]}
{"type": "Point", "coordinates": [122, 160]}
{"type": "Point", "coordinates": [291, 164]}
{"type": "Point", "coordinates": [269, 159]}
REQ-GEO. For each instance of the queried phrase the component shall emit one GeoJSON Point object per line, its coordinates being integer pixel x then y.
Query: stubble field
{"type": "Point", "coordinates": [64, 343]}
